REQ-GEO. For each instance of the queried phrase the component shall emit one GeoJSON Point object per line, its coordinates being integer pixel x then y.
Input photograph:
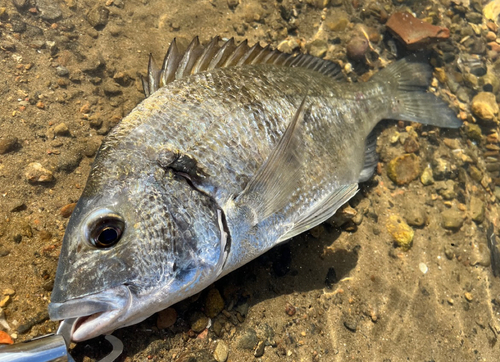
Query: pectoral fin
{"type": "Point", "coordinates": [278, 178]}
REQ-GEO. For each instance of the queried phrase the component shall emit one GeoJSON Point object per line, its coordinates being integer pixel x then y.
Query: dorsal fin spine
{"type": "Point", "coordinates": [198, 58]}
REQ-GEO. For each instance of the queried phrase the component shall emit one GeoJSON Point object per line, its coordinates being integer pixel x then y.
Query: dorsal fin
{"type": "Point", "coordinates": [222, 54]}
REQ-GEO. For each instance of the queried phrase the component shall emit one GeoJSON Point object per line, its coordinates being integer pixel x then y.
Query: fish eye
{"type": "Point", "coordinates": [106, 231]}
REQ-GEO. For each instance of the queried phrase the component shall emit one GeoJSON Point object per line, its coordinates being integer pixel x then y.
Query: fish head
{"type": "Point", "coordinates": [135, 245]}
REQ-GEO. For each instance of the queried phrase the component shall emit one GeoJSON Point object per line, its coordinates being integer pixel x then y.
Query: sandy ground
{"type": "Point", "coordinates": [334, 294]}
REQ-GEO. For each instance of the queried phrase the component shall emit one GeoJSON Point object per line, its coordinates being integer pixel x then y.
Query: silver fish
{"type": "Point", "coordinates": [235, 150]}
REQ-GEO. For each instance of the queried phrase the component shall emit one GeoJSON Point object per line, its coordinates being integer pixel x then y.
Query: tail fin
{"type": "Point", "coordinates": [408, 81]}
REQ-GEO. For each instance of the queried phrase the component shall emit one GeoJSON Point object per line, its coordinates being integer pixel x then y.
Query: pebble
{"type": "Point", "coordinates": [248, 340]}
{"type": "Point", "coordinates": [49, 9]}
{"type": "Point", "coordinates": [452, 219]}
{"type": "Point", "coordinates": [110, 88]}
{"type": "Point", "coordinates": [62, 71]}
{"type": "Point", "coordinates": [5, 301]}
{"type": "Point", "coordinates": [69, 160]}
{"type": "Point", "coordinates": [350, 323]}
{"type": "Point", "coordinates": [441, 168]}
{"type": "Point", "coordinates": [67, 210]}
{"type": "Point", "coordinates": [423, 268]}
{"type": "Point", "coordinates": [427, 178]}
{"type": "Point", "coordinates": [232, 4]}
{"type": "Point", "coordinates": [36, 173]}
{"type": "Point", "coordinates": [468, 296]}
{"type": "Point", "coordinates": [446, 189]}
{"type": "Point", "coordinates": [61, 130]}
{"type": "Point", "coordinates": [288, 45]}
{"type": "Point", "coordinates": [318, 48]}
{"type": "Point", "coordinates": [290, 309]}
{"type": "Point", "coordinates": [415, 33]}
{"type": "Point", "coordinates": [9, 291]}
{"type": "Point", "coordinates": [259, 351]}
{"type": "Point", "coordinates": [166, 318]}
{"type": "Point", "coordinates": [214, 303]}
{"type": "Point", "coordinates": [98, 17]}
{"type": "Point", "coordinates": [484, 106]}
{"type": "Point", "coordinates": [357, 47]}
{"type": "Point", "coordinates": [477, 209]}
{"type": "Point", "coordinates": [221, 351]}
{"type": "Point", "coordinates": [3, 321]}
{"type": "Point", "coordinates": [404, 169]}
{"type": "Point", "coordinates": [242, 309]}
{"type": "Point", "coordinates": [7, 144]}
{"type": "Point", "coordinates": [473, 132]}
{"type": "Point", "coordinates": [416, 216]}
{"type": "Point", "coordinates": [199, 322]}
{"type": "Point", "coordinates": [400, 231]}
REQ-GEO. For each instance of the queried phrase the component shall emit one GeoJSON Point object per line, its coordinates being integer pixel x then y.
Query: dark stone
{"type": "Point", "coordinates": [49, 9]}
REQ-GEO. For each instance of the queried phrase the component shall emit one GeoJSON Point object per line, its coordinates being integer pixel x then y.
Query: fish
{"type": "Point", "coordinates": [234, 150]}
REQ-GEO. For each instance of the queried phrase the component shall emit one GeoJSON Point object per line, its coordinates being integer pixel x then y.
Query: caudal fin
{"type": "Point", "coordinates": [408, 81]}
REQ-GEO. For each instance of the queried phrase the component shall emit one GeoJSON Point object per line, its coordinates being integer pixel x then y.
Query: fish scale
{"type": "Point", "coordinates": [234, 150]}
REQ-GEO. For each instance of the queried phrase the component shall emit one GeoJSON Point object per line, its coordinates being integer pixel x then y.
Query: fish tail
{"type": "Point", "coordinates": [409, 79]}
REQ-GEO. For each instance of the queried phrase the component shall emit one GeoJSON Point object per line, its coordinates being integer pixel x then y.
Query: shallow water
{"type": "Point", "coordinates": [334, 294]}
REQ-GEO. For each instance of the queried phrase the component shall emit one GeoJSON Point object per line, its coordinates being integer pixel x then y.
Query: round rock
{"type": "Point", "coordinates": [404, 169]}
{"type": "Point", "coordinates": [484, 106]}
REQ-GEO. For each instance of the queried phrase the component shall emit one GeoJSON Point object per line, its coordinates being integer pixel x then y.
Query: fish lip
{"type": "Point", "coordinates": [94, 313]}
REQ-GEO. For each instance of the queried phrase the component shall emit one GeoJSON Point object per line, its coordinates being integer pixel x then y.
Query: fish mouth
{"type": "Point", "coordinates": [95, 314]}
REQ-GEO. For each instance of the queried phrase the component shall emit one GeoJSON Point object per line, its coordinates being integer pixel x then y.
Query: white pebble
{"type": "Point", "coordinates": [423, 268]}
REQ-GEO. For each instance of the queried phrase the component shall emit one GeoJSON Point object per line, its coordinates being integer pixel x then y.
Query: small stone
{"type": "Point", "coordinates": [404, 169]}
{"type": "Point", "coordinates": [416, 216]}
{"type": "Point", "coordinates": [484, 106]}
{"type": "Point", "coordinates": [357, 47]}
{"type": "Point", "coordinates": [98, 17]}
{"type": "Point", "coordinates": [232, 4]}
{"type": "Point", "coordinates": [400, 231]}
{"type": "Point", "coordinates": [288, 45]}
{"type": "Point", "coordinates": [415, 33]}
{"type": "Point", "coordinates": [318, 48]}
{"type": "Point", "coordinates": [426, 177]}
{"type": "Point", "coordinates": [242, 309]}
{"type": "Point", "coordinates": [248, 340]}
{"type": "Point", "coordinates": [4, 301]}
{"type": "Point", "coordinates": [199, 322]}
{"type": "Point", "coordinates": [61, 130]}
{"type": "Point", "coordinates": [69, 160]}
{"type": "Point", "coordinates": [166, 318]}
{"type": "Point", "coordinates": [441, 169]}
{"type": "Point", "coordinates": [214, 303]}
{"type": "Point", "coordinates": [290, 309]}
{"type": "Point", "coordinates": [259, 351]}
{"type": "Point", "coordinates": [411, 145]}
{"type": "Point", "coordinates": [67, 210]}
{"type": "Point", "coordinates": [475, 173]}
{"type": "Point", "coordinates": [477, 209]}
{"type": "Point", "coordinates": [15, 205]}
{"type": "Point", "coordinates": [9, 291]}
{"type": "Point", "coordinates": [473, 132]}
{"type": "Point", "coordinates": [49, 9]}
{"type": "Point", "coordinates": [110, 88]}
{"type": "Point", "coordinates": [221, 351]}
{"type": "Point", "coordinates": [36, 173]}
{"type": "Point", "coordinates": [452, 219]}
{"type": "Point", "coordinates": [350, 323]}
{"type": "Point", "coordinates": [468, 296]}
{"type": "Point", "coordinates": [62, 71]}
{"type": "Point", "coordinates": [7, 144]}
{"type": "Point", "coordinates": [423, 268]}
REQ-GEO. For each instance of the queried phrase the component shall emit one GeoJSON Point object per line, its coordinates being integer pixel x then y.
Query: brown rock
{"type": "Point", "coordinates": [67, 210]}
{"type": "Point", "coordinates": [166, 318]}
{"type": "Point", "coordinates": [484, 106]}
{"type": "Point", "coordinates": [413, 32]}
{"type": "Point", "coordinates": [404, 169]}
